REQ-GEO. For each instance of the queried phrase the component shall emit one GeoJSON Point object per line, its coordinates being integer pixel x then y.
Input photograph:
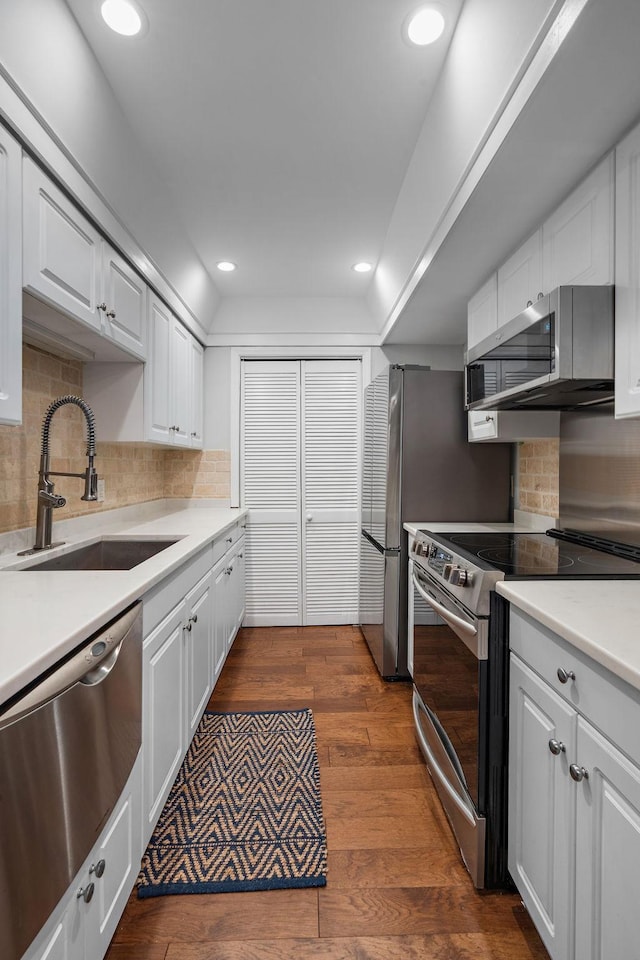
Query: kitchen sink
{"type": "Point", "coordinates": [105, 555]}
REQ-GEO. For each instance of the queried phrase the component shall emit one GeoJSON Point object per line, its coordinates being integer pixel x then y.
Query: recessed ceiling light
{"type": "Point", "coordinates": [122, 16]}
{"type": "Point", "coordinates": [226, 266]}
{"type": "Point", "coordinates": [425, 26]}
{"type": "Point", "coordinates": [362, 267]}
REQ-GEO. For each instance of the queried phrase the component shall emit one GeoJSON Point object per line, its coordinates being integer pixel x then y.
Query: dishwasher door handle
{"type": "Point", "coordinates": [89, 665]}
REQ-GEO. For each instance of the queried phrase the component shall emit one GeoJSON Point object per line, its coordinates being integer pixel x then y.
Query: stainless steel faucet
{"type": "Point", "coordinates": [48, 500]}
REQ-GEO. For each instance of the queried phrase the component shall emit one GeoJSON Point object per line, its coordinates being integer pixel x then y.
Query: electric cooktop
{"type": "Point", "coordinates": [557, 553]}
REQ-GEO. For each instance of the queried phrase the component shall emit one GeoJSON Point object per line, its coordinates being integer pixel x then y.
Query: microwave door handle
{"type": "Point", "coordinates": [467, 632]}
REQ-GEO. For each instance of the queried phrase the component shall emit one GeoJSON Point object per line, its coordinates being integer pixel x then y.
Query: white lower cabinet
{"type": "Point", "coordinates": [190, 621]}
{"type": "Point", "coordinates": [574, 797]}
{"type": "Point", "coordinates": [86, 918]}
{"type": "Point", "coordinates": [163, 711]}
{"type": "Point", "coordinates": [198, 631]}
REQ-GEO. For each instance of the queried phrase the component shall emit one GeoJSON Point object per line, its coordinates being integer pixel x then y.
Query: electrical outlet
{"type": "Point", "coordinates": [101, 493]}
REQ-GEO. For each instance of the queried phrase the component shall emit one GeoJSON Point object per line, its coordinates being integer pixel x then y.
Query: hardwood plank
{"type": "Point", "coordinates": [373, 778]}
{"type": "Point", "coordinates": [510, 946]}
{"type": "Point", "coordinates": [354, 833]}
{"type": "Point", "coordinates": [430, 866]}
{"type": "Point", "coordinates": [137, 951]}
{"type": "Point", "coordinates": [337, 705]}
{"type": "Point", "coordinates": [402, 910]}
{"type": "Point", "coordinates": [354, 756]}
{"type": "Point", "coordinates": [227, 916]}
{"type": "Point", "coordinates": [412, 804]}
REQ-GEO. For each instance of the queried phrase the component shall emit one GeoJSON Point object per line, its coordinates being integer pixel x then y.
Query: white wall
{"type": "Point", "coordinates": [267, 316]}
{"type": "Point", "coordinates": [494, 40]}
{"type": "Point", "coordinates": [217, 398]}
{"type": "Point", "coordinates": [438, 358]}
{"type": "Point", "coordinates": [44, 53]}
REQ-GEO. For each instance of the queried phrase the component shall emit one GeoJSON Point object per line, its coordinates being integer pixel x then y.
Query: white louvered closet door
{"type": "Point", "coordinates": [300, 479]}
{"type": "Point", "coordinates": [270, 487]}
{"type": "Point", "coordinates": [331, 393]}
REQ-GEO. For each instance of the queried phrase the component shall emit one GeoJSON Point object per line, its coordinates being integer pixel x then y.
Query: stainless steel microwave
{"type": "Point", "coordinates": [556, 354]}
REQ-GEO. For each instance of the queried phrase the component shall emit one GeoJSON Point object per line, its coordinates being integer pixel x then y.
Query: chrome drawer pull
{"type": "Point", "coordinates": [565, 675]}
{"type": "Point", "coordinates": [556, 747]}
{"type": "Point", "coordinates": [86, 893]}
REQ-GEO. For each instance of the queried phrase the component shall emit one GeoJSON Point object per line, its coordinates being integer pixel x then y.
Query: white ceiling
{"type": "Point", "coordinates": [282, 128]}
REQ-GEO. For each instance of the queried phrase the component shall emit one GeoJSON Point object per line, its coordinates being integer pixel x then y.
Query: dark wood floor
{"type": "Point", "coordinates": [396, 888]}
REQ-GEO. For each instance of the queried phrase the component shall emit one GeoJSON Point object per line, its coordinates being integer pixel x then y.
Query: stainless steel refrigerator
{"type": "Point", "coordinates": [418, 465]}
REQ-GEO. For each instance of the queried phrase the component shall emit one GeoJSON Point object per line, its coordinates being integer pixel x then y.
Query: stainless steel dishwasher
{"type": "Point", "coordinates": [67, 746]}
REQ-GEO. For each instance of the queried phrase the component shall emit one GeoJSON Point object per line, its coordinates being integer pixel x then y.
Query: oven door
{"type": "Point", "coordinates": [449, 669]}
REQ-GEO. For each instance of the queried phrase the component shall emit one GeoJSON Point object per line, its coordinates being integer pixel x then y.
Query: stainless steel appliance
{"type": "Point", "coordinates": [558, 353]}
{"type": "Point", "coordinates": [67, 746]}
{"type": "Point", "coordinates": [461, 670]}
{"type": "Point", "coordinates": [417, 463]}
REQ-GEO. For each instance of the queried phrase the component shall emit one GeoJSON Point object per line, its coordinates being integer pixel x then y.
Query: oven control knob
{"type": "Point", "coordinates": [459, 577]}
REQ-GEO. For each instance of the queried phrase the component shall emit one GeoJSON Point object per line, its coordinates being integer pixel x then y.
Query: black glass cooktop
{"type": "Point", "coordinates": [552, 554]}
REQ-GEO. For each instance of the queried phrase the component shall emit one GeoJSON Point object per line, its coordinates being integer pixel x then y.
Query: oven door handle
{"type": "Point", "coordinates": [455, 797]}
{"type": "Point", "coordinates": [468, 632]}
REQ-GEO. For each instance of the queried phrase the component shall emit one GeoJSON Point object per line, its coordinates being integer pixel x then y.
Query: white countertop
{"type": "Point", "coordinates": [45, 614]}
{"type": "Point", "coordinates": [600, 617]}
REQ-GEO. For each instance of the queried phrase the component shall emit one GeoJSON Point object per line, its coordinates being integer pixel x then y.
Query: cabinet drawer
{"type": "Point", "coordinates": [227, 540]}
{"type": "Point", "coordinates": [163, 598]}
{"type": "Point", "coordinates": [611, 705]}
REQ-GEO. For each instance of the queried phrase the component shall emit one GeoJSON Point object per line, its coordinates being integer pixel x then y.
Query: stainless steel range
{"type": "Point", "coordinates": [460, 671]}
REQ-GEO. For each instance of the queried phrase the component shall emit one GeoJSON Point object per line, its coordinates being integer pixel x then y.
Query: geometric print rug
{"type": "Point", "coordinates": [245, 811]}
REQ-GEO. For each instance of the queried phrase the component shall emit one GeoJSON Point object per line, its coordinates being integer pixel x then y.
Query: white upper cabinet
{"type": "Point", "coordinates": [160, 401]}
{"type": "Point", "coordinates": [520, 279]}
{"type": "Point", "coordinates": [627, 400]}
{"type": "Point", "coordinates": [157, 396]}
{"type": "Point", "coordinates": [61, 250]}
{"type": "Point", "coordinates": [72, 268]}
{"type": "Point", "coordinates": [575, 245]}
{"type": "Point", "coordinates": [577, 239]}
{"type": "Point", "coordinates": [10, 281]}
{"type": "Point", "coordinates": [482, 312]}
{"type": "Point", "coordinates": [123, 303]}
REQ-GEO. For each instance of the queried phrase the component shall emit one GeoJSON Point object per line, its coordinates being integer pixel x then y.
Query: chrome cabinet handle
{"type": "Point", "coordinates": [565, 675]}
{"type": "Point", "coordinates": [529, 303]}
{"type": "Point", "coordinates": [102, 306]}
{"type": "Point", "coordinates": [194, 618]}
{"type": "Point", "coordinates": [98, 868]}
{"type": "Point", "coordinates": [540, 295]}
{"type": "Point", "coordinates": [86, 893]}
{"type": "Point", "coordinates": [111, 313]}
{"type": "Point", "coordinates": [488, 419]}
{"type": "Point", "coordinates": [578, 773]}
{"type": "Point", "coordinates": [229, 540]}
{"type": "Point", "coordinates": [556, 747]}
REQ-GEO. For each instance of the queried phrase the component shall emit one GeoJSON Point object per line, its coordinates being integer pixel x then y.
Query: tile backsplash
{"type": "Point", "coordinates": [538, 477]}
{"type": "Point", "coordinates": [133, 473]}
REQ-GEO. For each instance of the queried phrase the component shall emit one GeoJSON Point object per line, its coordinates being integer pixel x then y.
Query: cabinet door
{"type": "Point", "coordinates": [482, 424]}
{"type": "Point", "coordinates": [627, 364]}
{"type": "Point", "coordinates": [197, 386]}
{"type": "Point", "coordinates": [199, 629]}
{"type": "Point", "coordinates": [10, 280]}
{"type": "Point", "coordinates": [221, 590]}
{"type": "Point", "coordinates": [163, 708]}
{"type": "Point", "coordinates": [238, 587]}
{"type": "Point", "coordinates": [607, 851]}
{"type": "Point", "coordinates": [157, 394]}
{"type": "Point", "coordinates": [482, 312]}
{"type": "Point", "coordinates": [541, 806]}
{"type": "Point", "coordinates": [61, 250]}
{"type": "Point", "coordinates": [119, 849]}
{"type": "Point", "coordinates": [180, 383]}
{"type": "Point", "coordinates": [55, 945]}
{"type": "Point", "coordinates": [577, 239]}
{"type": "Point", "coordinates": [124, 295]}
{"type": "Point", "coordinates": [520, 279]}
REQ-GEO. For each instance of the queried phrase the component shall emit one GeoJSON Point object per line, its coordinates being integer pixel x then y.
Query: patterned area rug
{"type": "Point", "coordinates": [245, 811]}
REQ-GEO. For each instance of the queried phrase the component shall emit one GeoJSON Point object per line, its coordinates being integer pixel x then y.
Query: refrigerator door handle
{"type": "Point", "coordinates": [385, 551]}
